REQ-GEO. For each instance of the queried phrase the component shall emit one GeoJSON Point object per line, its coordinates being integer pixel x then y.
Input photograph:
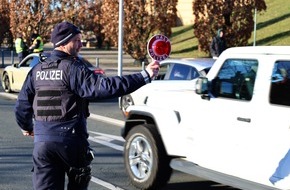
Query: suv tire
{"type": "Point", "coordinates": [146, 160]}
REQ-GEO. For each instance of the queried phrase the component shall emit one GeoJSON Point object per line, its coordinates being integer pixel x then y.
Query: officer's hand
{"type": "Point", "coordinates": [153, 68]}
{"type": "Point", "coordinates": [27, 133]}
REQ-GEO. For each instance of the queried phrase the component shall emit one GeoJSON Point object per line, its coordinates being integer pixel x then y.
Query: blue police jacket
{"type": "Point", "coordinates": [53, 102]}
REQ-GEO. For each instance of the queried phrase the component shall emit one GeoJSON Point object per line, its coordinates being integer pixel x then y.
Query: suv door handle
{"type": "Point", "coordinates": [244, 119]}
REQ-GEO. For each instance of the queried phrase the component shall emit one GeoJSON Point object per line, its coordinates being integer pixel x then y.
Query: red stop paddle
{"type": "Point", "coordinates": [159, 47]}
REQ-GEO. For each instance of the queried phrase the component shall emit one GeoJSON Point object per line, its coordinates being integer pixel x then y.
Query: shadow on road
{"type": "Point", "coordinates": [198, 185]}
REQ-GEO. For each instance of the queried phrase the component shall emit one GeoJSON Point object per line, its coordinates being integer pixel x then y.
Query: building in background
{"type": "Point", "coordinates": [185, 12]}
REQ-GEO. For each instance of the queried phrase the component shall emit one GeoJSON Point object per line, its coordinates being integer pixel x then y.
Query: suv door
{"type": "Point", "coordinates": [226, 120]}
{"type": "Point", "coordinates": [244, 135]}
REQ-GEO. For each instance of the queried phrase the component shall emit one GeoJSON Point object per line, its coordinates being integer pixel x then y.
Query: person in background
{"type": "Point", "coordinates": [20, 47]}
{"type": "Point", "coordinates": [218, 44]}
{"type": "Point", "coordinates": [53, 107]}
{"type": "Point", "coordinates": [37, 44]}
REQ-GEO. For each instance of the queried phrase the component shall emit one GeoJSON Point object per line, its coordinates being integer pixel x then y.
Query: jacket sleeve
{"type": "Point", "coordinates": [89, 85]}
{"type": "Point", "coordinates": [23, 107]}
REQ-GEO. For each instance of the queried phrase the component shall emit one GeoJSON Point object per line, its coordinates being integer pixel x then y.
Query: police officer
{"type": "Point", "coordinates": [20, 47]}
{"type": "Point", "coordinates": [37, 44]}
{"type": "Point", "coordinates": [52, 106]}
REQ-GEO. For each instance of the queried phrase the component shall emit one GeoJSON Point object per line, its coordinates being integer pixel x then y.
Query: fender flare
{"type": "Point", "coordinates": [166, 122]}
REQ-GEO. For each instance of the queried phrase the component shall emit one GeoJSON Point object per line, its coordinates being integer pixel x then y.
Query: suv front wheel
{"type": "Point", "coordinates": [146, 160]}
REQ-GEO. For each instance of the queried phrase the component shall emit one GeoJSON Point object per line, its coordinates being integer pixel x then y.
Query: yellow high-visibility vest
{"type": "Point", "coordinates": [40, 48]}
{"type": "Point", "coordinates": [19, 45]}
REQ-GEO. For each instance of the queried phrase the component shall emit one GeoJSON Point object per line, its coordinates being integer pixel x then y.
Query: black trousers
{"type": "Point", "coordinates": [52, 160]}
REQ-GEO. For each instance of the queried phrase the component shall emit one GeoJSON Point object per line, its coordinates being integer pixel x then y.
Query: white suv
{"type": "Point", "coordinates": [233, 127]}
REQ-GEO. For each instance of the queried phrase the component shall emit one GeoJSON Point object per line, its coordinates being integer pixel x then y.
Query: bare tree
{"type": "Point", "coordinates": [40, 16]}
{"type": "Point", "coordinates": [27, 17]}
{"type": "Point", "coordinates": [88, 18]}
{"type": "Point", "coordinates": [234, 16]}
{"type": "Point", "coordinates": [5, 33]}
{"type": "Point", "coordinates": [141, 20]}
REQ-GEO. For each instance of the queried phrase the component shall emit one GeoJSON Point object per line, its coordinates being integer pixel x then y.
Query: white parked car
{"type": "Point", "coordinates": [14, 75]}
{"type": "Point", "coordinates": [173, 74]}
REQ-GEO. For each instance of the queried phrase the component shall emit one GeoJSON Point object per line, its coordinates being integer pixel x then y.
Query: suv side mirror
{"type": "Point", "coordinates": [201, 86]}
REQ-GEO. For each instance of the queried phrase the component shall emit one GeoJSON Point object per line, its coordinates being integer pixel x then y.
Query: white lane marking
{"type": "Point", "coordinates": [109, 120]}
{"type": "Point", "coordinates": [105, 184]}
{"type": "Point", "coordinates": [105, 139]}
{"type": "Point", "coordinates": [106, 143]}
{"type": "Point", "coordinates": [8, 95]}
{"type": "Point", "coordinates": [113, 137]}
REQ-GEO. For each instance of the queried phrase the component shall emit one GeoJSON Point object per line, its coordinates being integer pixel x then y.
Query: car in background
{"type": "Point", "coordinates": [13, 76]}
{"type": "Point", "coordinates": [173, 74]}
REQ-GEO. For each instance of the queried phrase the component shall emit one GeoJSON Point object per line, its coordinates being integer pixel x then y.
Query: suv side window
{"type": "Point", "coordinates": [280, 83]}
{"type": "Point", "coordinates": [236, 79]}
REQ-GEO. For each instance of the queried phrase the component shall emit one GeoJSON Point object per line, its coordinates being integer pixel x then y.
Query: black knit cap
{"type": "Point", "coordinates": [63, 33]}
